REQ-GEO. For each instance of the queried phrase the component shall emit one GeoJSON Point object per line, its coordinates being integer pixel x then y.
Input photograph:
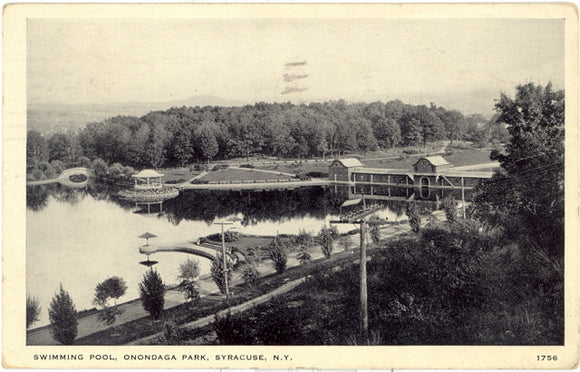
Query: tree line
{"type": "Point", "coordinates": [180, 136]}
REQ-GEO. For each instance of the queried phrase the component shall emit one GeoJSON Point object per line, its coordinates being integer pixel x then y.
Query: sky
{"type": "Point", "coordinates": [459, 63]}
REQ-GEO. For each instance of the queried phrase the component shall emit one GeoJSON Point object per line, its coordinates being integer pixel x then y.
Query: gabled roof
{"type": "Point", "coordinates": [435, 160]}
{"type": "Point", "coordinates": [147, 173]}
{"type": "Point", "coordinates": [350, 162]}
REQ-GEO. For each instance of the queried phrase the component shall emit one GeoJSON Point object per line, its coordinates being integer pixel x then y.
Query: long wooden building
{"type": "Point", "coordinates": [432, 178]}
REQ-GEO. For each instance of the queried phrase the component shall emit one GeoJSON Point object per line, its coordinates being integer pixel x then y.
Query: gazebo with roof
{"type": "Point", "coordinates": [148, 179]}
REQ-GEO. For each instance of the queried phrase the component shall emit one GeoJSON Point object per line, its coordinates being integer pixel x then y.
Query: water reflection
{"type": "Point", "coordinates": [79, 237]}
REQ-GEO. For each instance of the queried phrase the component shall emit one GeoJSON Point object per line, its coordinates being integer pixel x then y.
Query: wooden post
{"type": "Point", "coordinates": [225, 269]}
{"type": "Point", "coordinates": [364, 319]}
{"type": "Point", "coordinates": [463, 196]}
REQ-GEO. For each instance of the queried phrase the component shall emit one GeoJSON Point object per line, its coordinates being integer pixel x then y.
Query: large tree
{"type": "Point", "coordinates": [527, 195]}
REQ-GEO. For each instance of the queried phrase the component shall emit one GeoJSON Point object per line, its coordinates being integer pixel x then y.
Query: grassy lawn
{"type": "Point", "coordinates": [176, 175]}
{"type": "Point", "coordinates": [297, 167]}
{"type": "Point", "coordinates": [236, 175]}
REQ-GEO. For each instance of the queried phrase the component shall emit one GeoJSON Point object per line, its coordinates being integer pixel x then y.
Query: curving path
{"type": "Point", "coordinates": [64, 178]}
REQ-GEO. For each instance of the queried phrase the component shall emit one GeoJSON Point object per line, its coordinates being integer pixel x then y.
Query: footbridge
{"type": "Point", "coordinates": [65, 178]}
{"type": "Point", "coordinates": [189, 248]}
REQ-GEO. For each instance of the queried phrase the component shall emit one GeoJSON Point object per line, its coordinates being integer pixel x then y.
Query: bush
{"type": "Point", "coordinates": [188, 273]}
{"type": "Point", "coordinates": [414, 218]}
{"type": "Point", "coordinates": [326, 241]}
{"type": "Point", "coordinates": [172, 334]}
{"type": "Point", "coordinates": [218, 167]}
{"type": "Point", "coordinates": [277, 254]}
{"type": "Point", "coordinates": [249, 166]}
{"type": "Point", "coordinates": [250, 274]}
{"type": "Point", "coordinates": [267, 324]}
{"type": "Point", "coordinates": [32, 310]}
{"type": "Point", "coordinates": [152, 293]}
{"type": "Point", "coordinates": [303, 177]}
{"type": "Point", "coordinates": [217, 273]}
{"type": "Point", "coordinates": [128, 171]}
{"type": "Point", "coordinates": [232, 330]}
{"type": "Point", "coordinates": [100, 167]}
{"type": "Point", "coordinates": [450, 206]}
{"type": "Point", "coordinates": [62, 315]}
{"type": "Point", "coordinates": [58, 166]}
{"type": "Point", "coordinates": [84, 162]}
{"type": "Point", "coordinates": [229, 237]}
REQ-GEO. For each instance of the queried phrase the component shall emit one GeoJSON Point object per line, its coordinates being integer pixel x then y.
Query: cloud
{"type": "Point", "coordinates": [292, 77]}
{"type": "Point", "coordinates": [288, 90]}
{"type": "Point", "coordinates": [292, 64]}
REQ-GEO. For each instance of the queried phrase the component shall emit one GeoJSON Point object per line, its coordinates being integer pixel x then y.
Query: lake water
{"type": "Point", "coordinates": [80, 238]}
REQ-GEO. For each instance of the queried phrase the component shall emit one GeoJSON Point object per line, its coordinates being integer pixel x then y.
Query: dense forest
{"type": "Point", "coordinates": [185, 135]}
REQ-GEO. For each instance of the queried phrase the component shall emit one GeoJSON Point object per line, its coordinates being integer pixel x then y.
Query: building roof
{"type": "Point", "coordinates": [148, 173]}
{"type": "Point", "coordinates": [435, 160]}
{"type": "Point", "coordinates": [350, 162]}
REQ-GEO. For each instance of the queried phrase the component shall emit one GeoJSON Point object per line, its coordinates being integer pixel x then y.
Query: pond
{"type": "Point", "coordinates": [79, 238]}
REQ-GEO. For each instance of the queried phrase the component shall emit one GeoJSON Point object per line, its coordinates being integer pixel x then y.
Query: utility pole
{"type": "Point", "coordinates": [364, 316]}
{"type": "Point", "coordinates": [358, 218]}
{"type": "Point", "coordinates": [225, 269]}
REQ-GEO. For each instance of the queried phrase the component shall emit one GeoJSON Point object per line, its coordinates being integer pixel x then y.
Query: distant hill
{"type": "Point", "coordinates": [50, 118]}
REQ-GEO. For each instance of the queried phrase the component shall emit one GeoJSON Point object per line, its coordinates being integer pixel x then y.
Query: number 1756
{"type": "Point", "coordinates": [547, 358]}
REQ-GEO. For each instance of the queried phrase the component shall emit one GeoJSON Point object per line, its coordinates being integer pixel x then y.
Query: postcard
{"type": "Point", "coordinates": [290, 186]}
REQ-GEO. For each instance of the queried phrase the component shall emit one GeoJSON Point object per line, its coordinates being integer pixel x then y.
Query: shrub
{"type": "Point", "coordinates": [115, 170]}
{"type": "Point", "coordinates": [414, 218]}
{"type": "Point", "coordinates": [58, 166]}
{"type": "Point", "coordinates": [229, 237]}
{"type": "Point", "coordinates": [249, 166]}
{"type": "Point", "coordinates": [128, 171]}
{"type": "Point", "coordinates": [84, 162]}
{"type": "Point", "coordinates": [253, 256]}
{"type": "Point", "coordinates": [218, 167]}
{"type": "Point", "coordinates": [303, 177]}
{"type": "Point", "coordinates": [217, 273]}
{"type": "Point", "coordinates": [152, 293]}
{"type": "Point", "coordinates": [277, 254]}
{"type": "Point", "coordinates": [250, 275]}
{"type": "Point", "coordinates": [232, 330]}
{"type": "Point", "coordinates": [375, 234]}
{"type": "Point", "coordinates": [345, 243]}
{"type": "Point", "coordinates": [32, 310]}
{"type": "Point", "coordinates": [188, 273]}
{"type": "Point", "coordinates": [172, 334]}
{"type": "Point", "coordinates": [100, 167]}
{"type": "Point", "coordinates": [303, 257]}
{"type": "Point", "coordinates": [450, 206]}
{"type": "Point", "coordinates": [62, 315]}
{"type": "Point", "coordinates": [326, 241]}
